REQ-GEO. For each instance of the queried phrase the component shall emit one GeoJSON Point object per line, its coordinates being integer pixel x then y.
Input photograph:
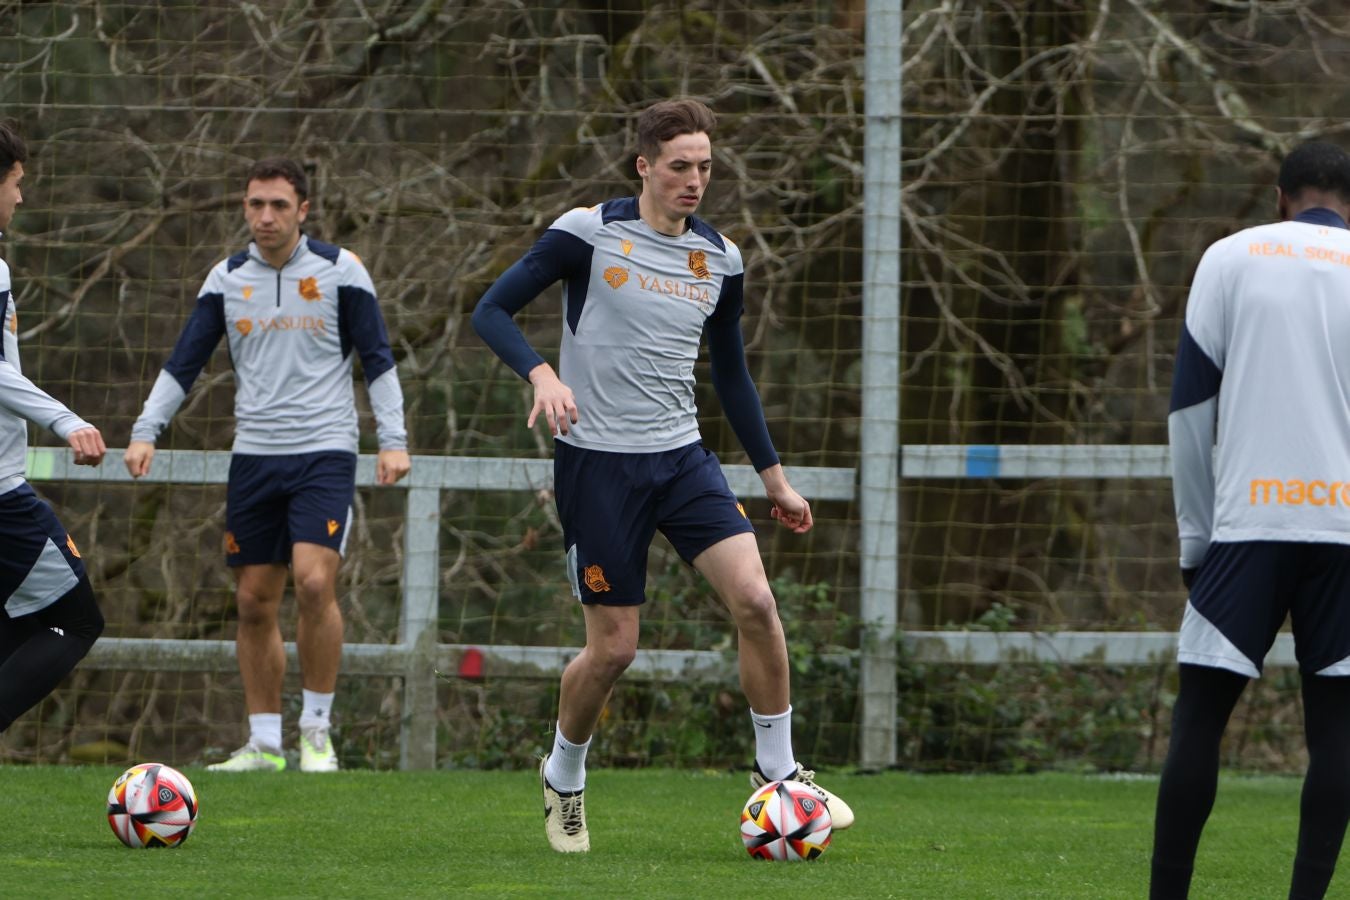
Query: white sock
{"type": "Point", "coordinates": [566, 766]}
{"type": "Point", "coordinates": [773, 744]}
{"type": "Point", "coordinates": [316, 710]}
{"type": "Point", "coordinates": [264, 729]}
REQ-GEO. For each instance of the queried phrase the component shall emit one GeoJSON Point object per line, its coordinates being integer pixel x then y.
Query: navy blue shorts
{"type": "Point", "coordinates": [1243, 592]}
{"type": "Point", "coordinates": [612, 504]}
{"type": "Point", "coordinates": [273, 502]}
{"type": "Point", "coordinates": [39, 562]}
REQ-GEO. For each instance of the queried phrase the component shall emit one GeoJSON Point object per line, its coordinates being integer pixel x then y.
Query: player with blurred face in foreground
{"type": "Point", "coordinates": [49, 617]}
{"type": "Point", "coordinates": [1260, 437]}
{"type": "Point", "coordinates": [293, 309]}
{"type": "Point", "coordinates": [644, 280]}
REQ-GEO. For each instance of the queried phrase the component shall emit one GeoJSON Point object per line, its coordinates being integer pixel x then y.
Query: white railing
{"type": "Point", "coordinates": [418, 656]}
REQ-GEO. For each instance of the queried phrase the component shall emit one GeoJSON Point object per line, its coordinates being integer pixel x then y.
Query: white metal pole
{"type": "Point", "coordinates": [880, 441]}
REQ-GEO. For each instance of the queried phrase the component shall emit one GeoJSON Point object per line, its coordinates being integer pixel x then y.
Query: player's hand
{"type": "Point", "coordinates": [137, 457]}
{"type": "Point", "coordinates": [391, 466]}
{"type": "Point", "coordinates": [88, 446]}
{"type": "Point", "coordinates": [790, 508]}
{"type": "Point", "coordinates": [552, 398]}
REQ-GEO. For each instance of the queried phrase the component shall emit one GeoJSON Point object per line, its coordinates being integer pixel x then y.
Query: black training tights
{"type": "Point", "coordinates": [1325, 807]}
{"type": "Point", "coordinates": [1190, 777]}
{"type": "Point", "coordinates": [41, 648]}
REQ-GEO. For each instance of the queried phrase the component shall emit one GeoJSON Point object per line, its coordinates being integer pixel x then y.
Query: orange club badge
{"type": "Point", "coordinates": [309, 289]}
{"type": "Point", "coordinates": [698, 264]}
{"type": "Point", "coordinates": [594, 576]}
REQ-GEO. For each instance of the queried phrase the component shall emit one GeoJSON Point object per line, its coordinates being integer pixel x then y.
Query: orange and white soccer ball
{"type": "Point", "coordinates": [785, 820]}
{"type": "Point", "coordinates": [152, 805]}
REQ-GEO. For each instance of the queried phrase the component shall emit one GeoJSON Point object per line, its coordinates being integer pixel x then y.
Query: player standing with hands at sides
{"type": "Point", "coordinates": [644, 280]}
{"type": "Point", "coordinates": [1264, 517]}
{"type": "Point", "coordinates": [292, 309]}
{"type": "Point", "coordinates": [48, 615]}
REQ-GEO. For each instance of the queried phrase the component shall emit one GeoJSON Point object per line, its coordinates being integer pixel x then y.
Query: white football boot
{"type": "Point", "coordinates": [251, 757]}
{"type": "Point", "coordinates": [316, 751]}
{"type": "Point", "coordinates": [840, 813]}
{"type": "Point", "coordinates": [564, 817]}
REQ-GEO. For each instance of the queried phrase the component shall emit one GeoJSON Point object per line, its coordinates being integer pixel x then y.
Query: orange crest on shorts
{"type": "Point", "coordinates": [698, 264]}
{"type": "Point", "coordinates": [333, 527]}
{"type": "Point", "coordinates": [741, 509]}
{"type": "Point", "coordinates": [231, 545]}
{"type": "Point", "coordinates": [70, 544]}
{"type": "Point", "coordinates": [309, 288]}
{"type": "Point", "coordinates": [616, 276]}
{"type": "Point", "coordinates": [595, 579]}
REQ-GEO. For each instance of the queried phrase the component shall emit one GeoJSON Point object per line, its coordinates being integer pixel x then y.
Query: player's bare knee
{"type": "Point", "coordinates": [255, 610]}
{"type": "Point", "coordinates": [313, 589]}
{"type": "Point", "coordinates": [755, 610]}
{"type": "Point", "coordinates": [609, 661]}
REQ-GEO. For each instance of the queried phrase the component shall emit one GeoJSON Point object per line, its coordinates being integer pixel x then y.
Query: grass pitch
{"type": "Point", "coordinates": [654, 833]}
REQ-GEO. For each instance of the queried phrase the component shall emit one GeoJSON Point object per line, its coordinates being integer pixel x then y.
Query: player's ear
{"type": "Point", "coordinates": [302, 210]}
{"type": "Point", "coordinates": [643, 167]}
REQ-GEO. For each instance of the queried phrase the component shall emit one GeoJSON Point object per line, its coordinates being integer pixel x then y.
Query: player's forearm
{"type": "Point", "coordinates": [1191, 439]}
{"type": "Point", "coordinates": [386, 401]}
{"type": "Point", "coordinates": [492, 318]}
{"type": "Point", "coordinates": [164, 400]}
{"type": "Point", "coordinates": [21, 397]}
{"type": "Point", "coordinates": [774, 480]}
{"type": "Point", "coordinates": [740, 400]}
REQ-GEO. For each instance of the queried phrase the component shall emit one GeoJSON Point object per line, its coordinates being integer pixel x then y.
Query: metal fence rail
{"type": "Point", "coordinates": [417, 657]}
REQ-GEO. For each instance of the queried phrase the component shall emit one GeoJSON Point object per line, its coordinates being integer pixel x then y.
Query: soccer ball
{"type": "Point", "coordinates": [152, 805]}
{"type": "Point", "coordinates": [785, 820]}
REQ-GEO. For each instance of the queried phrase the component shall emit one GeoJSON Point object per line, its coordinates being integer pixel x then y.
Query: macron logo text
{"type": "Point", "coordinates": [1297, 492]}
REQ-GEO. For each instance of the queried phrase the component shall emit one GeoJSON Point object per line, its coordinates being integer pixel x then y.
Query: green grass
{"type": "Point", "coordinates": [654, 833]}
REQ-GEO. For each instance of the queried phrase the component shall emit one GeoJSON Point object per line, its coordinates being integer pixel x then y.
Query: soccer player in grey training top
{"type": "Point", "coordinates": [1260, 436]}
{"type": "Point", "coordinates": [293, 309]}
{"type": "Point", "coordinates": [50, 618]}
{"type": "Point", "coordinates": [644, 280]}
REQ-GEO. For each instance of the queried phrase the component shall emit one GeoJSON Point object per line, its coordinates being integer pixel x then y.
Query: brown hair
{"type": "Point", "coordinates": [668, 119]}
{"type": "Point", "coordinates": [280, 167]}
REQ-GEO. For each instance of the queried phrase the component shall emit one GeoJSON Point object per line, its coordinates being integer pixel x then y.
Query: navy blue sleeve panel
{"type": "Point", "coordinates": [556, 255]}
{"type": "Point", "coordinates": [4, 301]}
{"type": "Point", "coordinates": [492, 317]}
{"type": "Point", "coordinates": [1195, 377]}
{"type": "Point", "coordinates": [204, 329]}
{"type": "Point", "coordinates": [731, 376]}
{"type": "Point", "coordinates": [361, 324]}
